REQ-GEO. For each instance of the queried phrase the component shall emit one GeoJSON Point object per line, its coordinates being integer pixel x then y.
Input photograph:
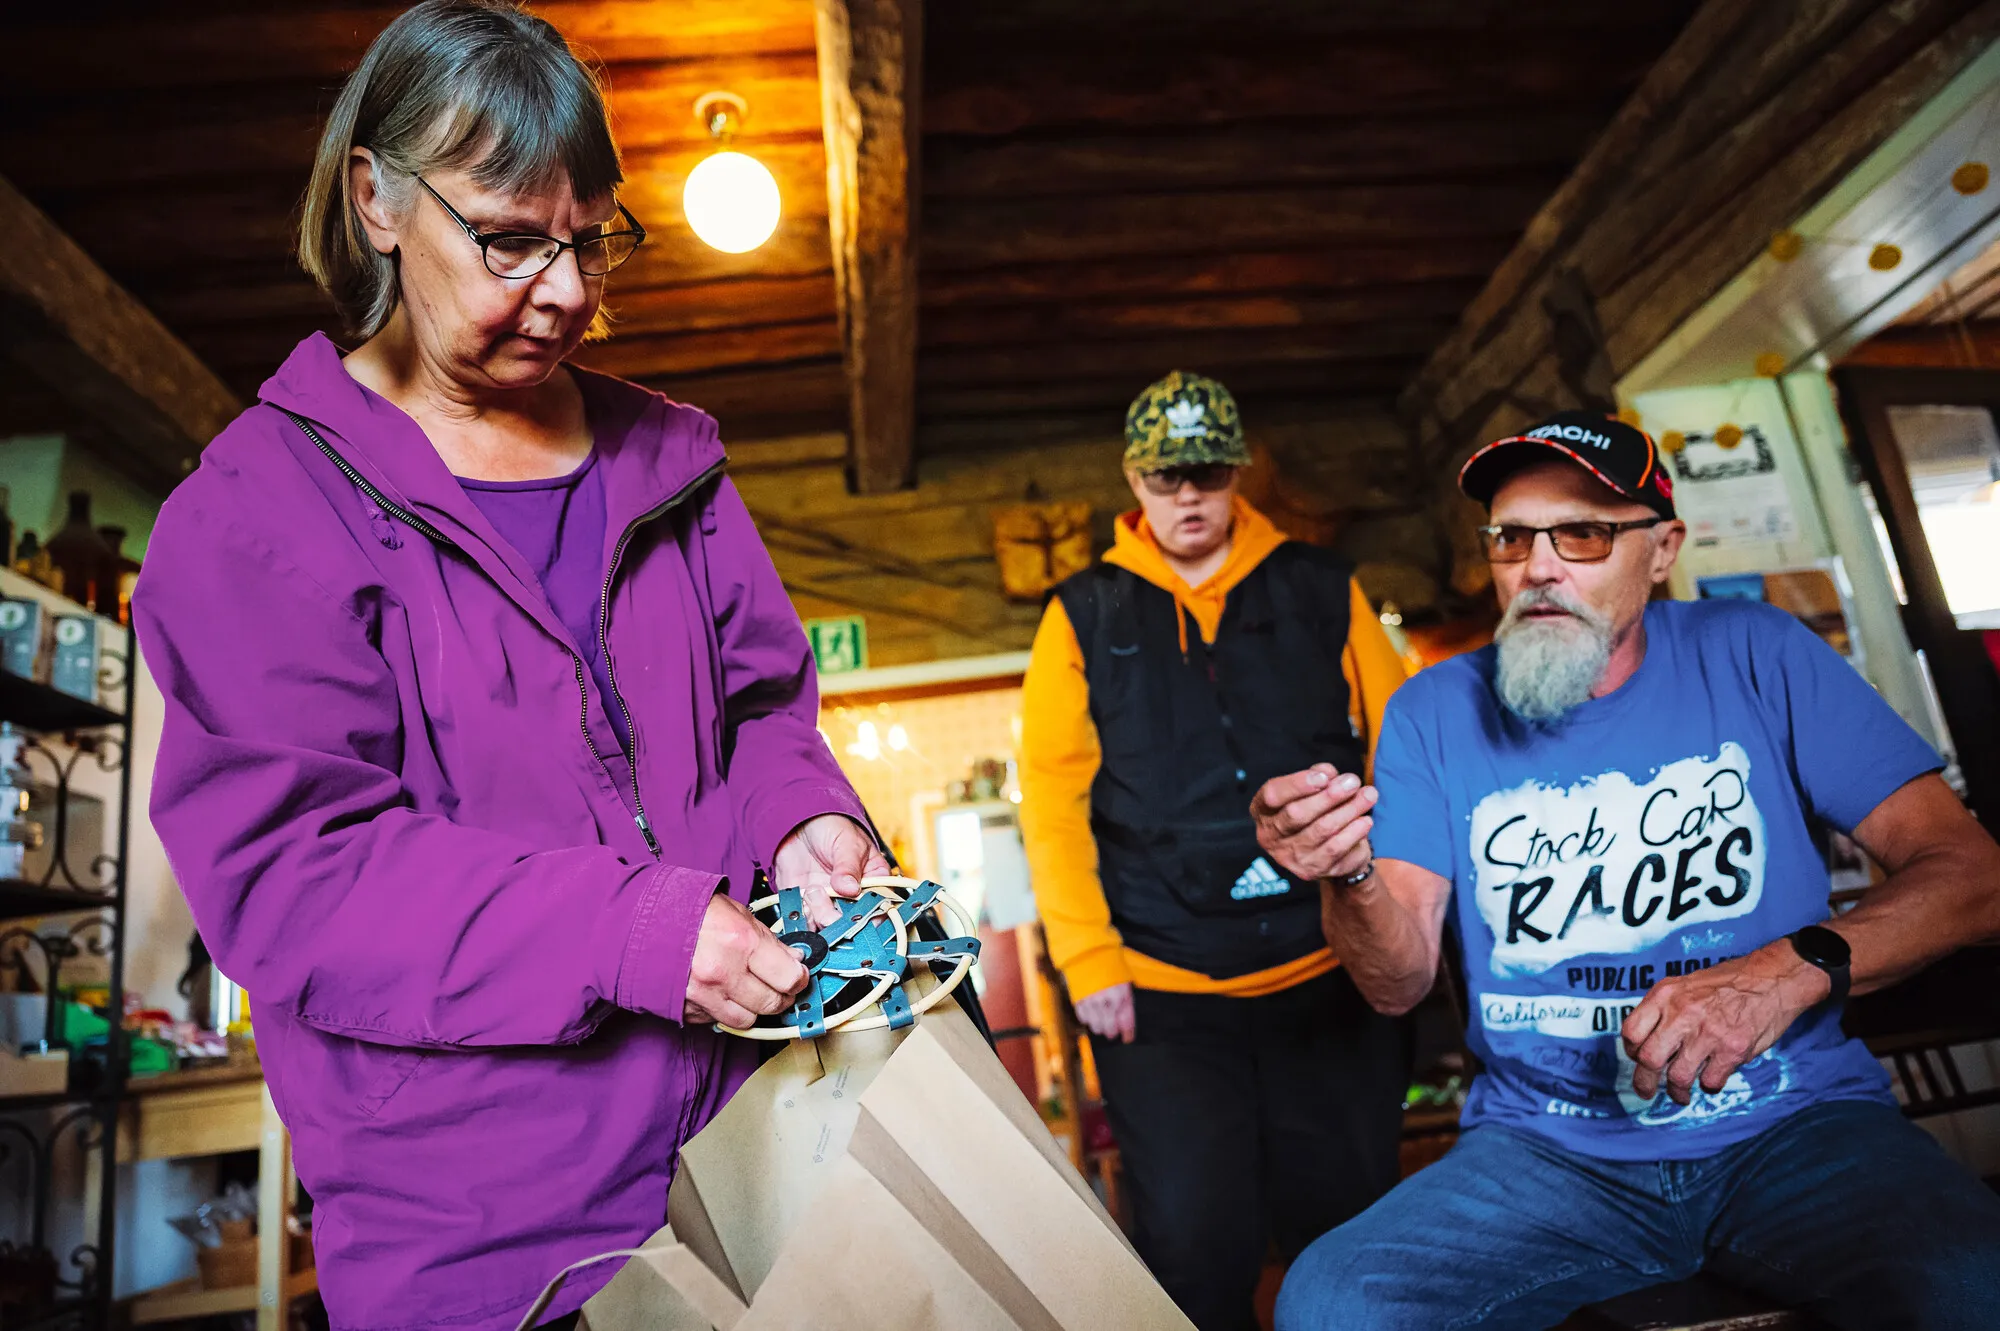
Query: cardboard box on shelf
{"type": "Point", "coordinates": [22, 628]}
{"type": "Point", "coordinates": [34, 1074]}
{"type": "Point", "coordinates": [73, 669]}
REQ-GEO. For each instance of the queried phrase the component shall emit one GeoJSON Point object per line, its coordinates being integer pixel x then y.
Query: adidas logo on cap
{"type": "Point", "coordinates": [1259, 880]}
{"type": "Point", "coordinates": [1186, 419]}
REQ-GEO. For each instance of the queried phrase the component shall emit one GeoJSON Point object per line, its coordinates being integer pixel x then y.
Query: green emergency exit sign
{"type": "Point", "coordinates": [839, 645]}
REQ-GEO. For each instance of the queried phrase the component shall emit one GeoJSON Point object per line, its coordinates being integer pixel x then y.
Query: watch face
{"type": "Point", "coordinates": [1821, 946]}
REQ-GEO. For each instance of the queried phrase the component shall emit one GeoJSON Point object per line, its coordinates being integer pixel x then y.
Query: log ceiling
{"type": "Point", "coordinates": [1301, 198]}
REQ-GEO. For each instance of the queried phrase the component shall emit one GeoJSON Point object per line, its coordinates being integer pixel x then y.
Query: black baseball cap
{"type": "Point", "coordinates": [1623, 456]}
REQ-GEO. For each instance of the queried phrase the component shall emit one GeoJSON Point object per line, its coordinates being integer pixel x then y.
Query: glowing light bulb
{"type": "Point", "coordinates": [899, 738]}
{"type": "Point", "coordinates": [731, 202]}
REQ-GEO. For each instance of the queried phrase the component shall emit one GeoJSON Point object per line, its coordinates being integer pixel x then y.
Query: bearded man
{"type": "Point", "coordinates": [1612, 806]}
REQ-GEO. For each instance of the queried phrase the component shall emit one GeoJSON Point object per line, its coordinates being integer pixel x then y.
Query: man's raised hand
{"type": "Point", "coordinates": [1315, 823]}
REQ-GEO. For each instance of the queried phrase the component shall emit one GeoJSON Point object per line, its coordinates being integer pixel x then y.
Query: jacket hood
{"type": "Point", "coordinates": [1252, 538]}
{"type": "Point", "coordinates": [650, 448]}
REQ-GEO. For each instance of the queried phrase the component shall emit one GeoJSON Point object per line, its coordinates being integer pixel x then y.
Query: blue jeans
{"type": "Point", "coordinates": [1845, 1209]}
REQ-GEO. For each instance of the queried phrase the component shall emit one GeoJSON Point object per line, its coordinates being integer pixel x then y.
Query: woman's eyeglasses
{"type": "Point", "coordinates": [1577, 542]}
{"type": "Point", "coordinates": [1207, 477]}
{"type": "Point", "coordinates": [520, 254]}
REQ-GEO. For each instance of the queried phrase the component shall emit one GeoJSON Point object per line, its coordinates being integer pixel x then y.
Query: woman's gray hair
{"type": "Point", "coordinates": [451, 84]}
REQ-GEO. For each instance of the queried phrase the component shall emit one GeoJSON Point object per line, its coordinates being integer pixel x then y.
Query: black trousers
{"type": "Point", "coordinates": [1245, 1120]}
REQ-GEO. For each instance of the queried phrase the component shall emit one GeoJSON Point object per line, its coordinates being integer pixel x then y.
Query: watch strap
{"type": "Point", "coordinates": [1822, 947]}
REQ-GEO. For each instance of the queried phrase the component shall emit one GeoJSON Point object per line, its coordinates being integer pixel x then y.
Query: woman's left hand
{"type": "Point", "coordinates": [827, 856]}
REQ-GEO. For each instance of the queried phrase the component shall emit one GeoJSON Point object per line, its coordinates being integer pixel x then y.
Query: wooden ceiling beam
{"type": "Point", "coordinates": [1236, 272]}
{"type": "Point", "coordinates": [998, 412]}
{"type": "Point", "coordinates": [968, 234]}
{"type": "Point", "coordinates": [711, 349]}
{"type": "Point", "coordinates": [233, 220]}
{"type": "Point", "coordinates": [1301, 151]}
{"type": "Point", "coordinates": [1425, 18]}
{"type": "Point", "coordinates": [1135, 80]}
{"type": "Point", "coordinates": [1297, 309]}
{"type": "Point", "coordinates": [765, 401]}
{"type": "Point", "coordinates": [57, 52]}
{"type": "Point", "coordinates": [273, 129]}
{"type": "Point", "coordinates": [870, 69]}
{"type": "Point", "coordinates": [1141, 360]}
{"type": "Point", "coordinates": [105, 353]}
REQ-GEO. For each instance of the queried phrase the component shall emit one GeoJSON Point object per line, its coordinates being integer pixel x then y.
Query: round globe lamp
{"type": "Point", "coordinates": [730, 199]}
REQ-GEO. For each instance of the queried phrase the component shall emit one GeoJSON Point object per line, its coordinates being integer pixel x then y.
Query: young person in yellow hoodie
{"type": "Point", "coordinates": [1254, 1094]}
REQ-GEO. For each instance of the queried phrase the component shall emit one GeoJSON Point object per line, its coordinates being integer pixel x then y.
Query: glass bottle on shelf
{"type": "Point", "coordinates": [123, 574]}
{"type": "Point", "coordinates": [83, 558]}
{"type": "Point", "coordinates": [32, 562]}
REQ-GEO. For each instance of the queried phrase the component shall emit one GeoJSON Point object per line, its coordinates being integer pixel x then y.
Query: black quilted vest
{"type": "Point", "coordinates": [1188, 739]}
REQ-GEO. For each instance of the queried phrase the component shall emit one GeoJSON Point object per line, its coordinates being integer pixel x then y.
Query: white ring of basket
{"type": "Point", "coordinates": [851, 1019]}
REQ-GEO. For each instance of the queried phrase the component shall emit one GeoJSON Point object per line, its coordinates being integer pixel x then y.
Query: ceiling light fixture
{"type": "Point", "coordinates": [730, 199]}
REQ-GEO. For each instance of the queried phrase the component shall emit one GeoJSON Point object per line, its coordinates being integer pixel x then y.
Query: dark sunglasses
{"type": "Point", "coordinates": [1207, 477]}
{"type": "Point", "coordinates": [1576, 542]}
{"type": "Point", "coordinates": [521, 254]}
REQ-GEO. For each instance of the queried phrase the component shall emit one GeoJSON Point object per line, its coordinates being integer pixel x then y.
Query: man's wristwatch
{"type": "Point", "coordinates": [1827, 950]}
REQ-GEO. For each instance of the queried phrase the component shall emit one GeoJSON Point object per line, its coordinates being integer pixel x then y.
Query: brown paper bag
{"type": "Point", "coordinates": [882, 1179]}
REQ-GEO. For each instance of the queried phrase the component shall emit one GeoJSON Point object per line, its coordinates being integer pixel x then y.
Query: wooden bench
{"type": "Point", "coordinates": [1701, 1304]}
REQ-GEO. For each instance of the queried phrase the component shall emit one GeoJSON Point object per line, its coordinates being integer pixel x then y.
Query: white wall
{"type": "Point", "coordinates": [40, 471]}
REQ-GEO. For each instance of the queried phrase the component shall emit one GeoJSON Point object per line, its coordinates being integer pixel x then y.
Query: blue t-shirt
{"type": "Point", "coordinates": [1653, 831]}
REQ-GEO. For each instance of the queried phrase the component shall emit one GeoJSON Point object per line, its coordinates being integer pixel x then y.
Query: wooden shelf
{"type": "Point", "coordinates": [187, 1299]}
{"type": "Point", "coordinates": [20, 900]}
{"type": "Point", "coordinates": [36, 706]}
{"type": "Point", "coordinates": [14, 1104]}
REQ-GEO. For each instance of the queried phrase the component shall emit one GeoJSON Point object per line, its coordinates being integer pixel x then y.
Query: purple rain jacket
{"type": "Point", "coordinates": [402, 819]}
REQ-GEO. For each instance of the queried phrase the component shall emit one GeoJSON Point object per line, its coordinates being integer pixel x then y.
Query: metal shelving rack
{"type": "Point", "coordinates": [80, 912]}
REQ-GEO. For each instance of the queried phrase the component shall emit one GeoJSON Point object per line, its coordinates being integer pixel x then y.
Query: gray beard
{"type": "Point", "coordinates": [1548, 666]}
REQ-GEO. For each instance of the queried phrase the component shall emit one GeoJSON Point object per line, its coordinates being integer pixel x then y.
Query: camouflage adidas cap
{"type": "Point", "coordinates": [1182, 421]}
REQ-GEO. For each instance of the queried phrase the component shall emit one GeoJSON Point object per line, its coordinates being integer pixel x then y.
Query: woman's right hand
{"type": "Point", "coordinates": [741, 971]}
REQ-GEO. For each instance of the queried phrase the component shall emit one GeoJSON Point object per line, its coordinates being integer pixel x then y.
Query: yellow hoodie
{"type": "Point", "coordinates": [1060, 757]}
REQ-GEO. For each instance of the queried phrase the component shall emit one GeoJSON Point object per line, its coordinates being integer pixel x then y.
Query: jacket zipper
{"type": "Point", "coordinates": [604, 642]}
{"type": "Point", "coordinates": [410, 519]}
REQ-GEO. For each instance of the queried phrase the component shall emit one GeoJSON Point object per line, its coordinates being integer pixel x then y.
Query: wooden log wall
{"type": "Point", "coordinates": [918, 563]}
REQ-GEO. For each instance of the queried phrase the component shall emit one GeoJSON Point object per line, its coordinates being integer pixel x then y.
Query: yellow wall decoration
{"type": "Point", "coordinates": [1728, 436]}
{"type": "Point", "coordinates": [1884, 257]}
{"type": "Point", "coordinates": [1770, 365]}
{"type": "Point", "coordinates": [1673, 441]}
{"type": "Point", "coordinates": [1970, 178]}
{"type": "Point", "coordinates": [1785, 246]}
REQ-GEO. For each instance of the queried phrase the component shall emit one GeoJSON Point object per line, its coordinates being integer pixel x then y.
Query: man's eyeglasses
{"type": "Point", "coordinates": [1577, 542]}
{"type": "Point", "coordinates": [1207, 477]}
{"type": "Point", "coordinates": [520, 254]}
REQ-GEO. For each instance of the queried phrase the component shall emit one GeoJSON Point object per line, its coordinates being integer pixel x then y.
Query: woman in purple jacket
{"type": "Point", "coordinates": [483, 703]}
